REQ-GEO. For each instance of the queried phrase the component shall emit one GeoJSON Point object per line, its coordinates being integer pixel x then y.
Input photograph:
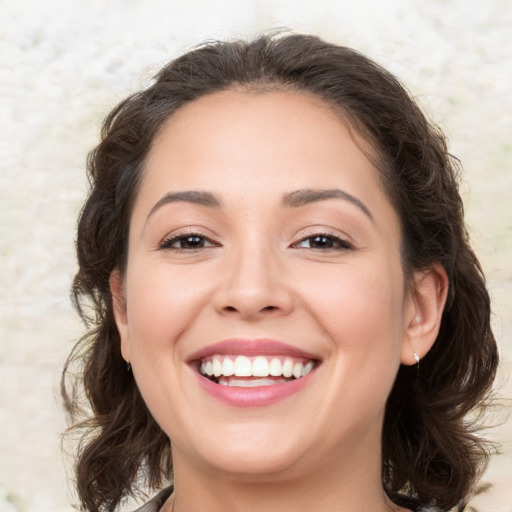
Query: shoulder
{"type": "Point", "coordinates": [155, 503]}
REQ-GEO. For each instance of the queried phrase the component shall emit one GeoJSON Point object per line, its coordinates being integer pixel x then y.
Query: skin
{"type": "Point", "coordinates": [258, 273]}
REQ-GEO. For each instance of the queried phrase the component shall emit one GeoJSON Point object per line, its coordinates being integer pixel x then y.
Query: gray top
{"type": "Point", "coordinates": [156, 503]}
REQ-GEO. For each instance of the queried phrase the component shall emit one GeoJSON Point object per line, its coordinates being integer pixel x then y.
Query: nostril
{"type": "Point", "coordinates": [266, 308]}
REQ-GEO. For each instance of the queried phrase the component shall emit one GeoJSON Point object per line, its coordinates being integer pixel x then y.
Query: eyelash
{"type": "Point", "coordinates": [336, 243]}
{"type": "Point", "coordinates": [168, 243]}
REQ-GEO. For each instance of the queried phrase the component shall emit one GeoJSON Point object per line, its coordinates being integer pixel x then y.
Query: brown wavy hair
{"type": "Point", "coordinates": [431, 450]}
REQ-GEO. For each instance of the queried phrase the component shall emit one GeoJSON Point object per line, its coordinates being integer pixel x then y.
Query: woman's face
{"type": "Point", "coordinates": [263, 244]}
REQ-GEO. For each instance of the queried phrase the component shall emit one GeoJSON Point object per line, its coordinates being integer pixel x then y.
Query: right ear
{"type": "Point", "coordinates": [120, 312]}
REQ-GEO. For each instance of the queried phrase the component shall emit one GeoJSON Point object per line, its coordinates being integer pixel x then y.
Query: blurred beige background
{"type": "Point", "coordinates": [65, 63]}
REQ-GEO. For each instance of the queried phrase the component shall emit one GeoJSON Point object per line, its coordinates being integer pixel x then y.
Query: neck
{"type": "Point", "coordinates": [355, 486]}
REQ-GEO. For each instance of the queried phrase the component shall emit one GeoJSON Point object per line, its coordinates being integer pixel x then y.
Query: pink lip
{"type": "Point", "coordinates": [251, 348]}
{"type": "Point", "coordinates": [253, 397]}
{"type": "Point", "coordinates": [256, 396]}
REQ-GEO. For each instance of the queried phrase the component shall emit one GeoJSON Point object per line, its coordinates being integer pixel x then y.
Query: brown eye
{"type": "Point", "coordinates": [323, 242]}
{"type": "Point", "coordinates": [189, 242]}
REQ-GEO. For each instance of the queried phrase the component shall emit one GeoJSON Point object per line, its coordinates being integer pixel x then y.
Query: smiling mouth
{"type": "Point", "coordinates": [243, 371]}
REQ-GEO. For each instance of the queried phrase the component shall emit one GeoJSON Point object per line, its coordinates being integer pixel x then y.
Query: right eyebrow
{"type": "Point", "coordinates": [306, 196]}
{"type": "Point", "coordinates": [189, 196]}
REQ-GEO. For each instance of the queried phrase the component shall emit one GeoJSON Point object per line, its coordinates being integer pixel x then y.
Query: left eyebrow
{"type": "Point", "coordinates": [189, 196]}
{"type": "Point", "coordinates": [306, 196]}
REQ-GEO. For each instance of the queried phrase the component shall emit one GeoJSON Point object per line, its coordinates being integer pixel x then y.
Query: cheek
{"type": "Point", "coordinates": [360, 310]}
{"type": "Point", "coordinates": [162, 304]}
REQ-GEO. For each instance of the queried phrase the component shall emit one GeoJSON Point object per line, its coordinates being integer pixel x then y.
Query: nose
{"type": "Point", "coordinates": [254, 286]}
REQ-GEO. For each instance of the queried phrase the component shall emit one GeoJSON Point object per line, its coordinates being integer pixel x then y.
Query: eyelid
{"type": "Point", "coordinates": [165, 243]}
{"type": "Point", "coordinates": [346, 243]}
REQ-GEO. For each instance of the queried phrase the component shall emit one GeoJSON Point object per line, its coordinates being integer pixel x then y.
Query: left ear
{"type": "Point", "coordinates": [428, 298]}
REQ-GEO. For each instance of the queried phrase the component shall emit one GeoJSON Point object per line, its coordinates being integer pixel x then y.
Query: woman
{"type": "Point", "coordinates": [282, 292]}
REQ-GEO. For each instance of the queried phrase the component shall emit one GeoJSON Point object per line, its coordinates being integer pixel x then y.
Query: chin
{"type": "Point", "coordinates": [251, 453]}
{"type": "Point", "coordinates": [253, 465]}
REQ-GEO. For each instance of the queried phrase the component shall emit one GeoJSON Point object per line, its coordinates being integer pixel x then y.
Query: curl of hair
{"type": "Point", "coordinates": [431, 450]}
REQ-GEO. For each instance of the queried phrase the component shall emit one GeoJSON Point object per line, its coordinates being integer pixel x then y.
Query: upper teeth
{"type": "Point", "coordinates": [259, 366]}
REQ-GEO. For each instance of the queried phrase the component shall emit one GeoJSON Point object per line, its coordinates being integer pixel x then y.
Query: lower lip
{"type": "Point", "coordinates": [253, 397]}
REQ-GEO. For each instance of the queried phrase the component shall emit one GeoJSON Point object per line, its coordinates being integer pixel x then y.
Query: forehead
{"type": "Point", "coordinates": [255, 133]}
